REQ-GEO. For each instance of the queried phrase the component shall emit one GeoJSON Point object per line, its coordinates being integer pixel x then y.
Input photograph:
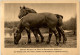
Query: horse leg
{"type": "Point", "coordinates": [42, 38]}
{"type": "Point", "coordinates": [50, 34]}
{"type": "Point", "coordinates": [56, 35]}
{"type": "Point", "coordinates": [29, 37]}
{"type": "Point", "coordinates": [59, 36]}
{"type": "Point", "coordinates": [62, 32]}
{"type": "Point", "coordinates": [59, 33]}
{"type": "Point", "coordinates": [35, 34]}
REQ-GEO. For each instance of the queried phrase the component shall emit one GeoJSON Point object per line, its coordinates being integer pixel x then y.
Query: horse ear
{"type": "Point", "coordinates": [24, 7]}
{"type": "Point", "coordinates": [62, 16]}
{"type": "Point", "coordinates": [58, 16]}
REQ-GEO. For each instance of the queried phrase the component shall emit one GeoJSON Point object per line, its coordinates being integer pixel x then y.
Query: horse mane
{"type": "Point", "coordinates": [30, 10]}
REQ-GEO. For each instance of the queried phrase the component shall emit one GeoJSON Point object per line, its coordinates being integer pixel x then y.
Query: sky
{"type": "Point", "coordinates": [68, 10]}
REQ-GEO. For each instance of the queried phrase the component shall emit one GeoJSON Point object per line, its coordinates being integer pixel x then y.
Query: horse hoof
{"type": "Point", "coordinates": [37, 41]}
{"type": "Point", "coordinates": [59, 39]}
{"type": "Point", "coordinates": [65, 39]}
{"type": "Point", "coordinates": [57, 44]}
{"type": "Point", "coordinates": [47, 42]}
{"type": "Point", "coordinates": [64, 42]}
{"type": "Point", "coordinates": [16, 43]}
{"type": "Point", "coordinates": [42, 40]}
{"type": "Point", "coordinates": [29, 42]}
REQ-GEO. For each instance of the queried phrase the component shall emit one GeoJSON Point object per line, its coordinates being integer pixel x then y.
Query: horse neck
{"type": "Point", "coordinates": [20, 26]}
{"type": "Point", "coordinates": [31, 11]}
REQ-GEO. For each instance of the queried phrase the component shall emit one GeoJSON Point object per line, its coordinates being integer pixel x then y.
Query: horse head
{"type": "Point", "coordinates": [17, 36]}
{"type": "Point", "coordinates": [25, 10]}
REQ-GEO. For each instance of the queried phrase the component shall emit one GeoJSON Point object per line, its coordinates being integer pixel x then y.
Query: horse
{"type": "Point", "coordinates": [37, 30]}
{"type": "Point", "coordinates": [44, 22]}
{"type": "Point", "coordinates": [59, 25]}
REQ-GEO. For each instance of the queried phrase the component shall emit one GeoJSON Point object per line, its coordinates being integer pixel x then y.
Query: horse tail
{"type": "Point", "coordinates": [59, 16]}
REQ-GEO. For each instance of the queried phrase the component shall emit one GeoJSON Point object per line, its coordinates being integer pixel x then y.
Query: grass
{"type": "Point", "coordinates": [71, 42]}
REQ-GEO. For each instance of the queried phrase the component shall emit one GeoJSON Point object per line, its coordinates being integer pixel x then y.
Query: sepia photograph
{"type": "Point", "coordinates": [40, 25]}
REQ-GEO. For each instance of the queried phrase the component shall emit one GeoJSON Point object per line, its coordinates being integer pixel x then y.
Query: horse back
{"type": "Point", "coordinates": [39, 16]}
{"type": "Point", "coordinates": [39, 19]}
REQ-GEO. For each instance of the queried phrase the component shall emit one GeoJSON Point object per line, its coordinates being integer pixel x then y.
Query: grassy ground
{"type": "Point", "coordinates": [71, 42]}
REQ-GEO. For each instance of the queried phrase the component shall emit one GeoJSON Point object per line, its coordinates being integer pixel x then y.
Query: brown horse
{"type": "Point", "coordinates": [58, 27]}
{"type": "Point", "coordinates": [37, 30]}
{"type": "Point", "coordinates": [45, 17]}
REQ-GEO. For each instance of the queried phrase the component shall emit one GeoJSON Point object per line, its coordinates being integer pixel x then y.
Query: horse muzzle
{"type": "Point", "coordinates": [16, 43]}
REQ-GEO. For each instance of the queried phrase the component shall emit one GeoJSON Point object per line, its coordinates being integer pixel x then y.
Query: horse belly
{"type": "Point", "coordinates": [34, 25]}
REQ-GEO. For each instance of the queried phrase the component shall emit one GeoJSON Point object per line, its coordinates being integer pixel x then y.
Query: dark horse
{"type": "Point", "coordinates": [58, 27]}
{"type": "Point", "coordinates": [33, 30]}
{"type": "Point", "coordinates": [47, 19]}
